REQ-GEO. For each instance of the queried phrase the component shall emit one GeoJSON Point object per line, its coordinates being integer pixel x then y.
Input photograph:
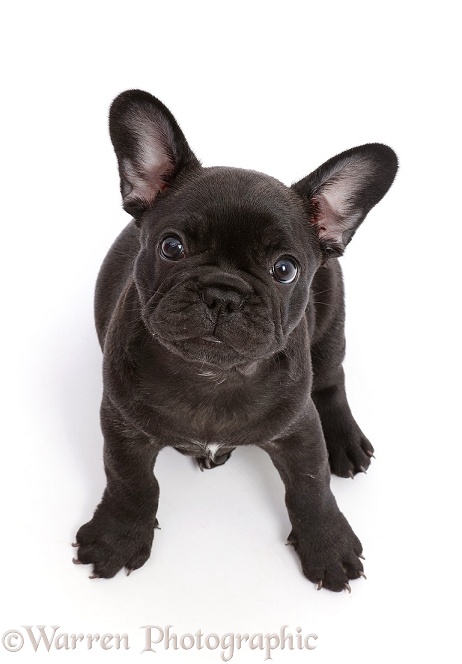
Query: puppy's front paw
{"type": "Point", "coordinates": [110, 545]}
{"type": "Point", "coordinates": [329, 554]}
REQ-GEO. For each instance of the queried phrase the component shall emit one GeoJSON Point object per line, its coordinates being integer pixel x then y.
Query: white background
{"type": "Point", "coordinates": [277, 87]}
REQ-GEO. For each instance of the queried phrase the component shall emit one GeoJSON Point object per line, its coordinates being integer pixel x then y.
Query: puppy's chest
{"type": "Point", "coordinates": [210, 421]}
{"type": "Point", "coordinates": [194, 415]}
{"type": "Point", "coordinates": [225, 409]}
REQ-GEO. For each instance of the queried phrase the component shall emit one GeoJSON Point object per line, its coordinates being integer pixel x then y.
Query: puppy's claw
{"type": "Point", "coordinates": [347, 587]}
{"type": "Point", "coordinates": [93, 576]}
{"type": "Point", "coordinates": [360, 555]}
{"type": "Point", "coordinates": [363, 470]}
{"type": "Point", "coordinates": [76, 561]}
{"type": "Point", "coordinates": [370, 454]}
{"type": "Point", "coordinates": [129, 571]}
{"type": "Point", "coordinates": [319, 586]}
{"type": "Point", "coordinates": [74, 544]}
{"type": "Point", "coordinates": [363, 575]}
{"type": "Point", "coordinates": [351, 474]}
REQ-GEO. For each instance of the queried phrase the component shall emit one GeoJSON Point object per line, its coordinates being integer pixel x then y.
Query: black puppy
{"type": "Point", "coordinates": [220, 312]}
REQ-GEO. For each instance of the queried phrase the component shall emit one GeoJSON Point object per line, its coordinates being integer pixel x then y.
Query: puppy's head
{"type": "Point", "coordinates": [227, 255]}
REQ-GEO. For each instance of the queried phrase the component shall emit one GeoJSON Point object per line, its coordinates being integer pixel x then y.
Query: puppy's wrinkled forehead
{"type": "Point", "coordinates": [230, 207]}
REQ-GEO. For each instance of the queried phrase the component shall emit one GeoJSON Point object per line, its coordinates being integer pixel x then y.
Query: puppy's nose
{"type": "Point", "coordinates": [225, 298]}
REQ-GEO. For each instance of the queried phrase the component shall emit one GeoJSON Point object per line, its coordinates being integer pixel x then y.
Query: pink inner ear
{"type": "Point", "coordinates": [328, 223]}
{"type": "Point", "coordinates": [146, 185]}
{"type": "Point", "coordinates": [334, 212]}
{"type": "Point", "coordinates": [148, 174]}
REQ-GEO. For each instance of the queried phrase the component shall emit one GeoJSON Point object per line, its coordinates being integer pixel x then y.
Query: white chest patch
{"type": "Point", "coordinates": [212, 449]}
{"type": "Point", "coordinates": [208, 455]}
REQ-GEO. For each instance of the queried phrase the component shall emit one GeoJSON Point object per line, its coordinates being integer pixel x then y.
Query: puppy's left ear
{"type": "Point", "coordinates": [341, 192]}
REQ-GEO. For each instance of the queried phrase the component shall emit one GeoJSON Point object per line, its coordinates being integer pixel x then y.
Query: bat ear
{"type": "Point", "coordinates": [150, 147]}
{"type": "Point", "coordinates": [342, 191]}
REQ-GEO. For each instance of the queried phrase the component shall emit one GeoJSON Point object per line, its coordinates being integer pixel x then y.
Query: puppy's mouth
{"type": "Point", "coordinates": [205, 341]}
{"type": "Point", "coordinates": [207, 349]}
{"type": "Point", "coordinates": [209, 338]}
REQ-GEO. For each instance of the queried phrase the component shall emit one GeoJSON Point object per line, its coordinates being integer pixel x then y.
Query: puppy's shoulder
{"type": "Point", "coordinates": [326, 302]}
{"type": "Point", "coordinates": [114, 276]}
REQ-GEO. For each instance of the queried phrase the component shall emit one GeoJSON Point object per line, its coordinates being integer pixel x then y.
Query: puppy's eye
{"type": "Point", "coordinates": [172, 248]}
{"type": "Point", "coordinates": [285, 270]}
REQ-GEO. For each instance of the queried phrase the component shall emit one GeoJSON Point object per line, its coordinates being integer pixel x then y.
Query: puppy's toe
{"type": "Point", "coordinates": [139, 558]}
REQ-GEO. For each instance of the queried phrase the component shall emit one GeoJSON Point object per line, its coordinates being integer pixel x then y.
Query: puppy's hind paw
{"type": "Point", "coordinates": [351, 456]}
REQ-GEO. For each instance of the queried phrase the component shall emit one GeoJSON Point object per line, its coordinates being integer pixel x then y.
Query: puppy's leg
{"type": "Point", "coordinates": [324, 541]}
{"type": "Point", "coordinates": [349, 450]}
{"type": "Point", "coordinates": [121, 531]}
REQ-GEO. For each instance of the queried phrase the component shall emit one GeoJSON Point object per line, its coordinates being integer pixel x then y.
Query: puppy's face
{"type": "Point", "coordinates": [227, 256]}
{"type": "Point", "coordinates": [225, 266]}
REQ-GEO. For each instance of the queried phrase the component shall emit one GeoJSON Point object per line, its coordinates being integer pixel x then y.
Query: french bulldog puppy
{"type": "Point", "coordinates": [220, 312]}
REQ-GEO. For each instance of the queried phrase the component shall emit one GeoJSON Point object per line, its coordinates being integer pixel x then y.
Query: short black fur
{"type": "Point", "coordinates": [207, 351]}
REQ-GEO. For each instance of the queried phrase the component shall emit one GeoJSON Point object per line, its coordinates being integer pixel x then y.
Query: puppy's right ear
{"type": "Point", "coordinates": [151, 148]}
